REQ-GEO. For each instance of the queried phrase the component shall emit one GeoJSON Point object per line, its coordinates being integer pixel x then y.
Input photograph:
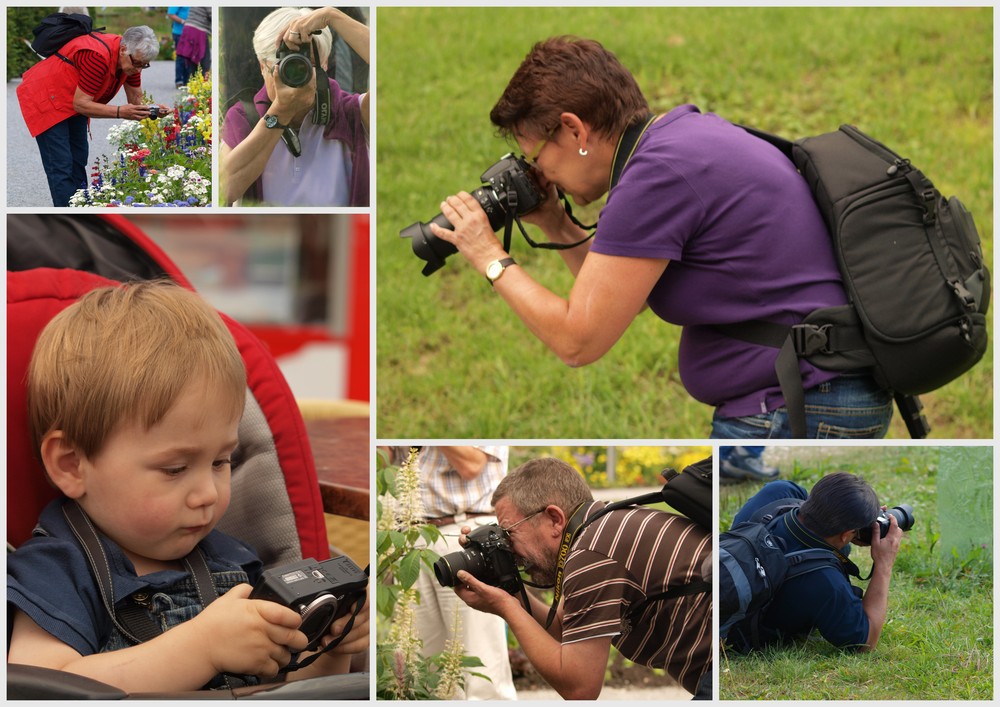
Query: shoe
{"type": "Point", "coordinates": [742, 465]}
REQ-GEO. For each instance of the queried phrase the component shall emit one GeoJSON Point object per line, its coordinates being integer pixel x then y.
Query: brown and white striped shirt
{"type": "Point", "coordinates": [618, 561]}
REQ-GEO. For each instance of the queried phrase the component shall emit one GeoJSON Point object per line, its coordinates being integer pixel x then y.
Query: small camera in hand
{"type": "Point", "coordinates": [154, 112]}
{"type": "Point", "coordinates": [321, 592]}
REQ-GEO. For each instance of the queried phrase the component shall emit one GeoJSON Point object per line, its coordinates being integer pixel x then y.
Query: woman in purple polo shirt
{"type": "Point", "coordinates": [287, 155]}
{"type": "Point", "coordinates": [708, 225]}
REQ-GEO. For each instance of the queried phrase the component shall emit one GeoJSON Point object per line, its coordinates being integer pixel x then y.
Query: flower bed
{"type": "Point", "coordinates": [164, 162]}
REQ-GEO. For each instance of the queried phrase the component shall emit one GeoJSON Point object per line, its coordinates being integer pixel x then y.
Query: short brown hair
{"type": "Point", "coordinates": [542, 482]}
{"type": "Point", "coordinates": [569, 74]}
{"type": "Point", "coordinates": [126, 353]}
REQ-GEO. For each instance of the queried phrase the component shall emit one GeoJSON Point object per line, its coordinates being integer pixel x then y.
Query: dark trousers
{"type": "Point", "coordinates": [181, 73]}
{"type": "Point", "coordinates": [704, 687]}
{"type": "Point", "coordinates": [64, 150]}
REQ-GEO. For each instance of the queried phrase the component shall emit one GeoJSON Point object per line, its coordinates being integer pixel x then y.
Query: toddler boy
{"type": "Point", "coordinates": [135, 395]}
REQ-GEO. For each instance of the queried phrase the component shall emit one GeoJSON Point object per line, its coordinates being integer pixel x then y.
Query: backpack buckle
{"type": "Point", "coordinates": [810, 339]}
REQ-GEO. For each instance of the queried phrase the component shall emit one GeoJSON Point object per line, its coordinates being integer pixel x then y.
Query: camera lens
{"type": "Point", "coordinates": [427, 246]}
{"type": "Point", "coordinates": [317, 617]}
{"type": "Point", "coordinates": [295, 70]}
{"type": "Point", "coordinates": [904, 517]}
{"type": "Point", "coordinates": [447, 568]}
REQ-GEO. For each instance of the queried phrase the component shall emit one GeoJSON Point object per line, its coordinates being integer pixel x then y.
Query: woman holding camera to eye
{"type": "Point", "coordinates": [299, 145]}
{"type": "Point", "coordinates": [707, 225]}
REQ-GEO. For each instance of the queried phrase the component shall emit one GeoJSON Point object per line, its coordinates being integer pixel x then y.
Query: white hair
{"type": "Point", "coordinates": [142, 42]}
{"type": "Point", "coordinates": [265, 38]}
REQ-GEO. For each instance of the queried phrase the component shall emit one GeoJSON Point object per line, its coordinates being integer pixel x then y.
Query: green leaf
{"type": "Point", "coordinates": [409, 569]}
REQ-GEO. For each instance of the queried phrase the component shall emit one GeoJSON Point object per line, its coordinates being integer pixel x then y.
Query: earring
{"type": "Point", "coordinates": [583, 153]}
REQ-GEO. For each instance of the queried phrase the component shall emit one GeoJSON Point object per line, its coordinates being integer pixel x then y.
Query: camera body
{"type": "Point", "coordinates": [321, 592]}
{"type": "Point", "coordinates": [507, 184]}
{"type": "Point", "coordinates": [904, 519]}
{"type": "Point", "coordinates": [294, 66]}
{"type": "Point", "coordinates": [487, 556]}
{"type": "Point", "coordinates": [154, 112]}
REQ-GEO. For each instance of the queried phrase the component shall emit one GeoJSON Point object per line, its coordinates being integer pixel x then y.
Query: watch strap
{"type": "Point", "coordinates": [504, 264]}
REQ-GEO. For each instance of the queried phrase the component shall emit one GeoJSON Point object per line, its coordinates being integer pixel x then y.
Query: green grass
{"type": "Point", "coordinates": [938, 639]}
{"type": "Point", "coordinates": [453, 361]}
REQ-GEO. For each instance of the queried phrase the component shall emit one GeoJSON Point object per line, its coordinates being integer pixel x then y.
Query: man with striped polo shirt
{"type": "Point", "coordinates": [636, 578]}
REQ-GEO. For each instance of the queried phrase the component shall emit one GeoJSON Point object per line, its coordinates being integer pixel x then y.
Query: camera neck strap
{"type": "Point", "coordinates": [359, 601]}
{"type": "Point", "coordinates": [574, 525]}
{"type": "Point", "coordinates": [626, 147]}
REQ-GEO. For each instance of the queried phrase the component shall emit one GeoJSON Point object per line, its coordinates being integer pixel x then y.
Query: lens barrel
{"type": "Point", "coordinates": [295, 70]}
{"type": "Point", "coordinates": [448, 566]}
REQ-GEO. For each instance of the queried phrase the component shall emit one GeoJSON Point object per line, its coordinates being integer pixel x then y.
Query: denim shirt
{"type": "Point", "coordinates": [50, 580]}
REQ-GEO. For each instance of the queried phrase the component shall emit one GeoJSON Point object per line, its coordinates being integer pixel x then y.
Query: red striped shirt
{"type": "Point", "coordinates": [93, 67]}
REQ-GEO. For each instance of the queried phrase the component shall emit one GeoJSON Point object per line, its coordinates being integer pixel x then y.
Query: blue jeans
{"type": "Point", "coordinates": [851, 406]}
{"type": "Point", "coordinates": [64, 150]}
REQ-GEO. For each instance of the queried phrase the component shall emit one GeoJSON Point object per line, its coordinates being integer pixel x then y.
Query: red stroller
{"type": "Point", "coordinates": [54, 259]}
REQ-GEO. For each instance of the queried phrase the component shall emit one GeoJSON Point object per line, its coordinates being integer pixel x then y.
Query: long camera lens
{"type": "Point", "coordinates": [448, 566]}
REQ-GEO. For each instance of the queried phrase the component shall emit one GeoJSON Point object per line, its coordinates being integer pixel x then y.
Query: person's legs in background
{"type": "Point", "coordinates": [482, 635]}
{"type": "Point", "coordinates": [738, 463]}
{"type": "Point", "coordinates": [64, 151]}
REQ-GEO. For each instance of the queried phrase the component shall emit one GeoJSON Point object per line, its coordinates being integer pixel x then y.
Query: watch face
{"type": "Point", "coordinates": [270, 121]}
{"type": "Point", "coordinates": [494, 269]}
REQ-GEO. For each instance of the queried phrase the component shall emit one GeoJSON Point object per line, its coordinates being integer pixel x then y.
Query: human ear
{"type": "Point", "coordinates": [63, 463]}
{"type": "Point", "coordinates": [577, 128]}
{"type": "Point", "coordinates": [557, 518]}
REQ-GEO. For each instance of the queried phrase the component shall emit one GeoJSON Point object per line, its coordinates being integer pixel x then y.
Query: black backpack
{"type": "Point", "coordinates": [753, 565]}
{"type": "Point", "coordinates": [55, 30]}
{"type": "Point", "coordinates": [912, 264]}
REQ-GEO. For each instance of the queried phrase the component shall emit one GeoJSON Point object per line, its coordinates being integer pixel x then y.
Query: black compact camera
{"type": "Point", "coordinates": [321, 592]}
{"type": "Point", "coordinates": [904, 519]}
{"type": "Point", "coordinates": [294, 66]}
{"type": "Point", "coordinates": [507, 186]}
{"type": "Point", "coordinates": [154, 112]}
{"type": "Point", "coordinates": [487, 556]}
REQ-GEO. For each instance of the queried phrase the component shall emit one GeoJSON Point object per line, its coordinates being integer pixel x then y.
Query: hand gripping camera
{"type": "Point", "coordinates": [507, 187]}
{"type": "Point", "coordinates": [296, 70]}
{"type": "Point", "coordinates": [321, 592]}
{"type": "Point", "coordinates": [904, 519]}
{"type": "Point", "coordinates": [487, 556]}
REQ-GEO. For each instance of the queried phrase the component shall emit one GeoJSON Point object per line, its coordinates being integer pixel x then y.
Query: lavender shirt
{"type": "Point", "coordinates": [345, 125]}
{"type": "Point", "coordinates": [745, 241]}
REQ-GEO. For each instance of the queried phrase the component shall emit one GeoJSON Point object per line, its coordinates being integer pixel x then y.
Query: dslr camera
{"type": "Point", "coordinates": [321, 592]}
{"type": "Point", "coordinates": [488, 556]}
{"type": "Point", "coordinates": [294, 66]}
{"type": "Point", "coordinates": [507, 186]}
{"type": "Point", "coordinates": [904, 519]}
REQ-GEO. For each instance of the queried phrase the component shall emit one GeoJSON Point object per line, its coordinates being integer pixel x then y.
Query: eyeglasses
{"type": "Point", "coordinates": [533, 157]}
{"type": "Point", "coordinates": [138, 64]}
{"type": "Point", "coordinates": [527, 517]}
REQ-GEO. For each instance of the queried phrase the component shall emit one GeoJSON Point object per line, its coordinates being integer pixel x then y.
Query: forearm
{"type": "Point", "coordinates": [568, 232]}
{"type": "Point", "coordinates": [242, 165]}
{"type": "Point", "coordinates": [356, 34]}
{"type": "Point", "coordinates": [545, 653]}
{"type": "Point", "coordinates": [468, 462]}
{"type": "Point", "coordinates": [86, 105]}
{"type": "Point", "coordinates": [133, 95]}
{"type": "Point", "coordinates": [141, 668]}
{"type": "Point", "coordinates": [876, 603]}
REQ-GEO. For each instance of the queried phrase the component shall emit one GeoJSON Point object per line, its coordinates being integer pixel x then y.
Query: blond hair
{"type": "Point", "coordinates": [125, 353]}
{"type": "Point", "coordinates": [265, 37]}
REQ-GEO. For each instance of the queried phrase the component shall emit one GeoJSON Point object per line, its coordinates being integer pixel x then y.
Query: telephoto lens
{"type": "Point", "coordinates": [903, 514]}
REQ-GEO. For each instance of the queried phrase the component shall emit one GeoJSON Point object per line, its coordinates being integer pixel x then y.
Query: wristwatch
{"type": "Point", "coordinates": [496, 267]}
{"type": "Point", "coordinates": [271, 121]}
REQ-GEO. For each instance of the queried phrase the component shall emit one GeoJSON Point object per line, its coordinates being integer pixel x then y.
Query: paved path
{"type": "Point", "coordinates": [26, 185]}
{"type": "Point", "coordinates": [617, 694]}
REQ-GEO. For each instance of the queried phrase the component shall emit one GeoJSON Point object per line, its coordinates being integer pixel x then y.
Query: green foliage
{"type": "Point", "coordinates": [937, 643]}
{"type": "Point", "coordinates": [20, 22]}
{"type": "Point", "coordinates": [918, 78]}
{"type": "Point", "coordinates": [402, 552]}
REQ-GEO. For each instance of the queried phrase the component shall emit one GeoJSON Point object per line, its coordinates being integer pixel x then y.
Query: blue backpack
{"type": "Point", "coordinates": [753, 565]}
